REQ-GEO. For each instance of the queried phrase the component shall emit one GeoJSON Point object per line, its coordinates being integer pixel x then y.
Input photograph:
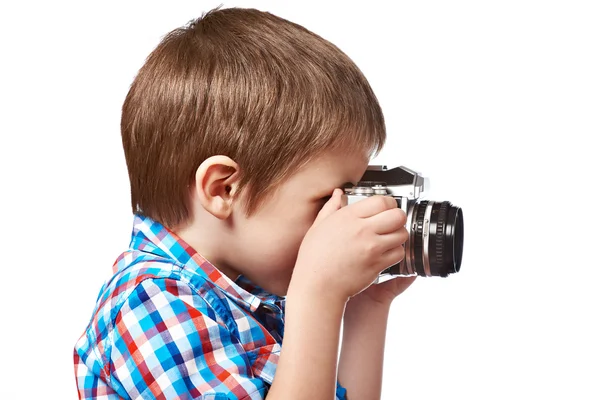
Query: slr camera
{"type": "Point", "coordinates": [435, 241]}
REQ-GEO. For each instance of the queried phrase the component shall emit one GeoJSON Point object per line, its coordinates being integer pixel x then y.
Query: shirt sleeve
{"type": "Point", "coordinates": [340, 392]}
{"type": "Point", "coordinates": [168, 344]}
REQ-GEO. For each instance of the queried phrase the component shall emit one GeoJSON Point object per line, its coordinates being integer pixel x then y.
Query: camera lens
{"type": "Point", "coordinates": [436, 238]}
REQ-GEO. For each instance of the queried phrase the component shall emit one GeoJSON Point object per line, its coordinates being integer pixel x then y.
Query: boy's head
{"type": "Point", "coordinates": [232, 127]}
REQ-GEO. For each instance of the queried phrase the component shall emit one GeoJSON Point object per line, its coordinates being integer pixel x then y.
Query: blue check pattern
{"type": "Point", "coordinates": [169, 325]}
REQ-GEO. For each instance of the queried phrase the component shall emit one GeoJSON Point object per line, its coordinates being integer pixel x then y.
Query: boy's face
{"type": "Point", "coordinates": [265, 246]}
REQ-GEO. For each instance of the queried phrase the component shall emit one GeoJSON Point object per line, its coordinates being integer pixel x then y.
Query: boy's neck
{"type": "Point", "coordinates": [210, 242]}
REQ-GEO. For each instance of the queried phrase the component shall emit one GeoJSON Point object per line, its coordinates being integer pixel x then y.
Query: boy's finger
{"type": "Point", "coordinates": [373, 206]}
{"type": "Point", "coordinates": [332, 205]}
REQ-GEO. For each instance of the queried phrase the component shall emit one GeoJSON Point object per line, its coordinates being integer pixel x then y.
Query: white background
{"type": "Point", "coordinates": [498, 103]}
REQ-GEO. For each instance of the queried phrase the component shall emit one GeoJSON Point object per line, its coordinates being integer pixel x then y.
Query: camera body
{"type": "Point", "coordinates": [435, 241]}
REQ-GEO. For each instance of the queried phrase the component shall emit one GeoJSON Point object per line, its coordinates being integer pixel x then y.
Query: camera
{"type": "Point", "coordinates": [435, 229]}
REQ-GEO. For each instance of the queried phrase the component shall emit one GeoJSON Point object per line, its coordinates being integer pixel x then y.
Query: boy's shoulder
{"type": "Point", "coordinates": [154, 308]}
{"type": "Point", "coordinates": [134, 272]}
{"type": "Point", "coordinates": [141, 283]}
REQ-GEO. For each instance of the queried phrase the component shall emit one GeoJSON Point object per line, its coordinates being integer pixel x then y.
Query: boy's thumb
{"type": "Point", "coordinates": [332, 205]}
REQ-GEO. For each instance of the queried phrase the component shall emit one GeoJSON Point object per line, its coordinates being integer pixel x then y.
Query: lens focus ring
{"type": "Point", "coordinates": [439, 233]}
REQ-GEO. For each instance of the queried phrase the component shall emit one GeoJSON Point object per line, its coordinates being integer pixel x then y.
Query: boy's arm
{"type": "Point", "coordinates": [365, 323]}
{"type": "Point", "coordinates": [307, 367]}
{"type": "Point", "coordinates": [361, 359]}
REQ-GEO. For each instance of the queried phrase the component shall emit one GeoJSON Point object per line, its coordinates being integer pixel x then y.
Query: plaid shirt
{"type": "Point", "coordinates": [169, 325]}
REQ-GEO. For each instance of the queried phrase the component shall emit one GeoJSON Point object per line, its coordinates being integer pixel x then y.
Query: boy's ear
{"type": "Point", "coordinates": [216, 179]}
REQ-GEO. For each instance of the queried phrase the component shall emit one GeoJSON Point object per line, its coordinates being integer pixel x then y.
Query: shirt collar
{"type": "Point", "coordinates": [249, 286]}
{"type": "Point", "coordinates": [152, 237]}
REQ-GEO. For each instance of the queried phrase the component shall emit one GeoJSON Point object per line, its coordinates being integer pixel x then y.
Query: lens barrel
{"type": "Point", "coordinates": [436, 232]}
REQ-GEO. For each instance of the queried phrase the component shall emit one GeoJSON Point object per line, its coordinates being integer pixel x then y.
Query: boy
{"type": "Point", "coordinates": [236, 132]}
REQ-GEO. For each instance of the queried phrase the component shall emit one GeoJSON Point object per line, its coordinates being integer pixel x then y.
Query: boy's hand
{"type": "Point", "coordinates": [382, 293]}
{"type": "Point", "coordinates": [347, 247]}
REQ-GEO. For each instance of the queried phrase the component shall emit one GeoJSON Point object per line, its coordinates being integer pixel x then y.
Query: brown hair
{"type": "Point", "coordinates": [249, 85]}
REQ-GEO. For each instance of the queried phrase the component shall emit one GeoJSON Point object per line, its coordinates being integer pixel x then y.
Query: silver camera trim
{"type": "Point", "coordinates": [419, 187]}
